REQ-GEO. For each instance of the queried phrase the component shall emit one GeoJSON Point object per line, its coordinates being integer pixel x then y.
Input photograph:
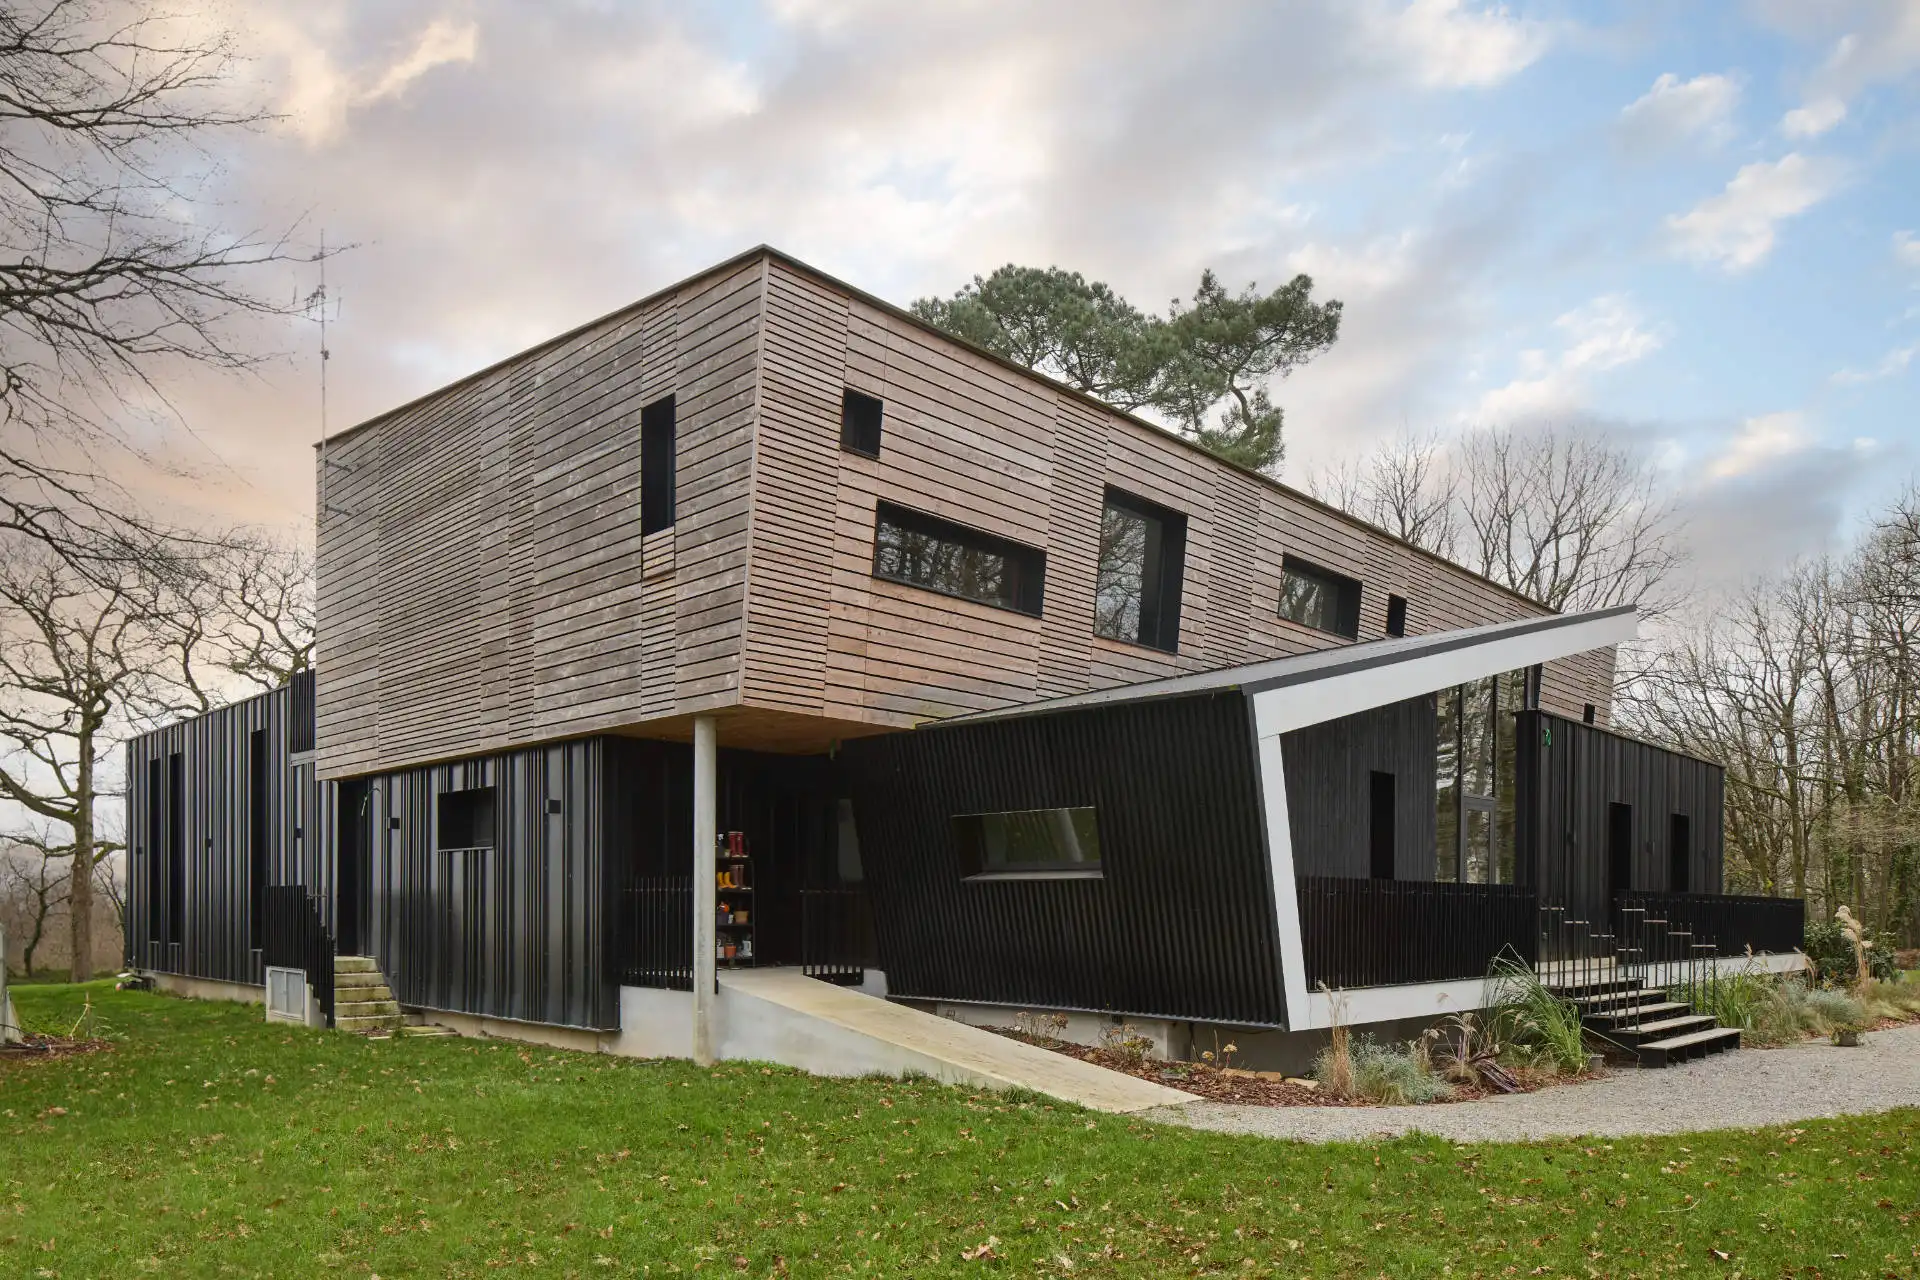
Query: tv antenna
{"type": "Point", "coordinates": [315, 305]}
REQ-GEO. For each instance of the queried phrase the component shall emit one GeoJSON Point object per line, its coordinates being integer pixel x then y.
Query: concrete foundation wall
{"type": "Point", "coordinates": [175, 984]}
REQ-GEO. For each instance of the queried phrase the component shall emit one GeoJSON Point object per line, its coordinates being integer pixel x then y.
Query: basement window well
{"type": "Point", "coordinates": [1034, 843]}
{"type": "Point", "coordinates": [466, 819]}
{"type": "Point", "coordinates": [925, 551]}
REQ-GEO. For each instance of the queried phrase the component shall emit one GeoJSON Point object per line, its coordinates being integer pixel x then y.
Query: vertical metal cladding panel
{"type": "Point", "coordinates": [1328, 768]}
{"type": "Point", "coordinates": [515, 930]}
{"type": "Point", "coordinates": [1179, 924]}
{"type": "Point", "coordinates": [200, 923]}
{"type": "Point", "coordinates": [1572, 773]}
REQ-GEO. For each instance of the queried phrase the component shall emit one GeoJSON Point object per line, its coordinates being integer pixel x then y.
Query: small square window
{"type": "Point", "coordinates": [1396, 615]}
{"type": "Point", "coordinates": [466, 819]}
{"type": "Point", "coordinates": [1318, 598]}
{"type": "Point", "coordinates": [860, 416]}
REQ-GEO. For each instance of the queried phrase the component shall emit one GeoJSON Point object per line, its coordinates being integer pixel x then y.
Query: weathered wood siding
{"type": "Point", "coordinates": [483, 580]}
{"type": "Point", "coordinates": [973, 441]}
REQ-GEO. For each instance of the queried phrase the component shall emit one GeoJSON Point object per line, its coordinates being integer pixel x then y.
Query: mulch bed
{"type": "Point", "coordinates": [1254, 1089]}
{"type": "Point", "coordinates": [39, 1048]}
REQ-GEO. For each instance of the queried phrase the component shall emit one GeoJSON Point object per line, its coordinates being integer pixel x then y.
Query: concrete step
{"type": "Point", "coordinates": [360, 994]}
{"type": "Point", "coordinates": [358, 978]}
{"type": "Point", "coordinates": [354, 964]}
{"type": "Point", "coordinates": [430, 1031]}
{"type": "Point", "coordinates": [1666, 1052]}
{"type": "Point", "coordinates": [376, 1022]}
{"type": "Point", "coordinates": [366, 1009]}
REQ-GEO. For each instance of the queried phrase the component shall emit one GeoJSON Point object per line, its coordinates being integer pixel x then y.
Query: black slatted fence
{"type": "Point", "coordinates": [1377, 933]}
{"type": "Point", "coordinates": [1733, 923]}
{"type": "Point", "coordinates": [656, 933]}
{"type": "Point", "coordinates": [295, 938]}
{"type": "Point", "coordinates": [836, 935]}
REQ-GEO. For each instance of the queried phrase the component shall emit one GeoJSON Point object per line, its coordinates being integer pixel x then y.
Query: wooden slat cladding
{"type": "Point", "coordinates": [970, 440]}
{"type": "Point", "coordinates": [483, 579]}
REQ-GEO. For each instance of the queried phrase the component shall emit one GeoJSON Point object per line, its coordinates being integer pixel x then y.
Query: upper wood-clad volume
{"type": "Point", "coordinates": [485, 583]}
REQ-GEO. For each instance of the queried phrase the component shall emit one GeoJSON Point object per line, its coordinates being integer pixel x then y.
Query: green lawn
{"type": "Point", "coordinates": [206, 1143]}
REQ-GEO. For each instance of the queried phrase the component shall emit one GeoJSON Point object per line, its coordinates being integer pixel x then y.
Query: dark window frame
{"type": "Point", "coordinates": [1346, 597]}
{"type": "Point", "coordinates": [471, 812]}
{"type": "Point", "coordinates": [1455, 803]}
{"type": "Point", "coordinates": [1162, 571]}
{"type": "Point", "coordinates": [862, 422]}
{"type": "Point", "coordinates": [1396, 615]}
{"type": "Point", "coordinates": [968, 832]}
{"type": "Point", "coordinates": [1025, 567]}
{"type": "Point", "coordinates": [659, 440]}
{"type": "Point", "coordinates": [259, 834]}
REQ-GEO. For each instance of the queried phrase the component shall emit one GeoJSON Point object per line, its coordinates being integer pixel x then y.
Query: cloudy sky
{"type": "Point", "coordinates": [1699, 225]}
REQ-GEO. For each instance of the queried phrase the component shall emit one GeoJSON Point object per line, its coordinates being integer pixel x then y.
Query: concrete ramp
{"type": "Point", "coordinates": [781, 1015]}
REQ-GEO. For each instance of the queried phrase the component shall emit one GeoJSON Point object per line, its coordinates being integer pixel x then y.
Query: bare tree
{"type": "Point", "coordinates": [1565, 515]}
{"type": "Point", "coordinates": [232, 613]}
{"type": "Point", "coordinates": [72, 646]}
{"type": "Point", "coordinates": [33, 888]}
{"type": "Point", "coordinates": [107, 270]}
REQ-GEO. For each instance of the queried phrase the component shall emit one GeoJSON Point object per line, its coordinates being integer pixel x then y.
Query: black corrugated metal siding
{"type": "Point", "coordinates": [1573, 772]}
{"type": "Point", "coordinates": [1328, 768]}
{"type": "Point", "coordinates": [514, 931]}
{"type": "Point", "coordinates": [1181, 922]}
{"type": "Point", "coordinates": [190, 900]}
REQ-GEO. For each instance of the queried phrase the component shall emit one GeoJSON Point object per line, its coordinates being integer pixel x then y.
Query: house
{"type": "Point", "coordinates": [761, 625]}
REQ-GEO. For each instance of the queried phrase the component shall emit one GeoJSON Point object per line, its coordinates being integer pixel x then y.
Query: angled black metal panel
{"type": "Point", "coordinates": [1181, 921]}
{"type": "Point", "coordinates": [1328, 768]}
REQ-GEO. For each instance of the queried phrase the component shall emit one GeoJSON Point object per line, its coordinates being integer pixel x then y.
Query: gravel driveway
{"type": "Point", "coordinates": [1742, 1090]}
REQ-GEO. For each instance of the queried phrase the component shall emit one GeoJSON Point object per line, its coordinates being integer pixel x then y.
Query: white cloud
{"type": "Point", "coordinates": [1813, 119]}
{"type": "Point", "coordinates": [1450, 46]}
{"type": "Point", "coordinates": [1604, 334]}
{"type": "Point", "coordinates": [1906, 248]}
{"type": "Point", "coordinates": [317, 91]}
{"type": "Point", "coordinates": [443, 42]}
{"type": "Point", "coordinates": [1760, 441]}
{"type": "Point", "coordinates": [1892, 364]}
{"type": "Point", "coordinates": [1676, 109]}
{"type": "Point", "coordinates": [1736, 228]}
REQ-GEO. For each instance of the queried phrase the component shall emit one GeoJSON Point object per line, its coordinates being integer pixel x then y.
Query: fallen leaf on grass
{"type": "Point", "coordinates": [981, 1252]}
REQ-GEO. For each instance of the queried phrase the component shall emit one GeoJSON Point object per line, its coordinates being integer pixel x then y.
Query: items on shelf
{"type": "Point", "coordinates": [734, 879]}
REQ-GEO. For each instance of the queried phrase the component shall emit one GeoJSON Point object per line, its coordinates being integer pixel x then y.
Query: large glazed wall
{"type": "Point", "coordinates": [984, 445]}
{"type": "Point", "coordinates": [1180, 923]}
{"type": "Point", "coordinates": [483, 581]}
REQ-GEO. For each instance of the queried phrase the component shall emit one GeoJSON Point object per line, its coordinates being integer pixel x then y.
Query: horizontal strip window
{"type": "Point", "coordinates": [1319, 598]}
{"type": "Point", "coordinates": [925, 551]}
{"type": "Point", "coordinates": [1029, 843]}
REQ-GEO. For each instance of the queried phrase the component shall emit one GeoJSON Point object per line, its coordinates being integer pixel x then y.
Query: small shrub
{"type": "Point", "coordinates": [1834, 958]}
{"type": "Point", "coordinates": [1891, 999]}
{"type": "Point", "coordinates": [1526, 1014]}
{"type": "Point", "coordinates": [1387, 1073]}
{"type": "Point", "coordinates": [1126, 1041]}
{"type": "Point", "coordinates": [1825, 1011]}
{"type": "Point", "coordinates": [1467, 1049]}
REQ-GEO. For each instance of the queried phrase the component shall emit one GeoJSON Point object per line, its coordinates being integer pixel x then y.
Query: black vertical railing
{"type": "Point", "coordinates": [1735, 923]}
{"type": "Point", "coordinates": [296, 938]}
{"type": "Point", "coordinates": [1374, 933]}
{"type": "Point", "coordinates": [655, 938]}
{"type": "Point", "coordinates": [836, 935]}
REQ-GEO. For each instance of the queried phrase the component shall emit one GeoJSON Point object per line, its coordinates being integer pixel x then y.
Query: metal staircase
{"type": "Point", "coordinates": [1639, 989]}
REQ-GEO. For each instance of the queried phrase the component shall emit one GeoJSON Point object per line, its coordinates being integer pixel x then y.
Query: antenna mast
{"type": "Point", "coordinates": [316, 302]}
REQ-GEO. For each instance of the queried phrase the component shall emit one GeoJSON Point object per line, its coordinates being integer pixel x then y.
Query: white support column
{"type": "Point", "coordinates": [705, 884]}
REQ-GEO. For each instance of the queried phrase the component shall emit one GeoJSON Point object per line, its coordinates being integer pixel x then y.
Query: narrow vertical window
{"type": "Point", "coordinates": [176, 848]}
{"type": "Point", "coordinates": [1679, 853]}
{"type": "Point", "coordinates": [1142, 559]}
{"type": "Point", "coordinates": [1588, 715]}
{"type": "Point", "coordinates": [153, 879]}
{"type": "Point", "coordinates": [656, 466]}
{"type": "Point", "coordinates": [258, 814]}
{"type": "Point", "coordinates": [860, 416]}
{"type": "Point", "coordinates": [1396, 615]}
{"type": "Point", "coordinates": [1380, 825]}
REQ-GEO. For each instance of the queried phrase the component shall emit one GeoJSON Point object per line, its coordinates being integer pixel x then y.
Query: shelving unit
{"type": "Point", "coordinates": [736, 916]}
